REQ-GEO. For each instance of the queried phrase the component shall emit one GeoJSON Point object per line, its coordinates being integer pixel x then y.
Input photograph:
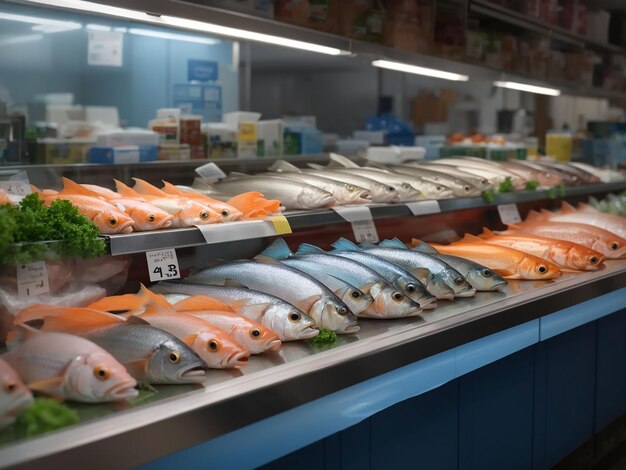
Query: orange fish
{"type": "Point", "coordinates": [228, 212]}
{"type": "Point", "coordinates": [607, 243]}
{"type": "Point", "coordinates": [107, 217]}
{"type": "Point", "coordinates": [615, 224]}
{"type": "Point", "coordinates": [561, 252]}
{"type": "Point", "coordinates": [101, 191]}
{"type": "Point", "coordinates": [4, 197]}
{"type": "Point", "coordinates": [253, 205]}
{"type": "Point", "coordinates": [508, 262]}
{"type": "Point", "coordinates": [185, 211]}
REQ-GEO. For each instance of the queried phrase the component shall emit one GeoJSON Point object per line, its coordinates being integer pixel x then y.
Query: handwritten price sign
{"type": "Point", "coordinates": [162, 264]}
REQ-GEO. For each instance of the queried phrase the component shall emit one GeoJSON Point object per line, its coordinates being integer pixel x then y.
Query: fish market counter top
{"type": "Point", "coordinates": [178, 417]}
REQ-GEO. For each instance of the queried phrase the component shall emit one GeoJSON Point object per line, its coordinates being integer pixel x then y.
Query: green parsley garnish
{"type": "Point", "coordinates": [506, 186]}
{"type": "Point", "coordinates": [325, 337]}
{"type": "Point", "coordinates": [531, 185]}
{"type": "Point", "coordinates": [43, 416]}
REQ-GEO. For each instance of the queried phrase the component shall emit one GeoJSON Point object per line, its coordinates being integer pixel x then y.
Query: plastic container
{"type": "Point", "coordinates": [559, 145]}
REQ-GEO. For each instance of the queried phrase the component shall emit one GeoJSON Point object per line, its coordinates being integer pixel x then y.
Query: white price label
{"type": "Point", "coordinates": [16, 190]}
{"type": "Point", "coordinates": [163, 264]}
{"type": "Point", "coordinates": [32, 279]}
{"type": "Point", "coordinates": [211, 172]}
{"type": "Point", "coordinates": [424, 207]}
{"type": "Point", "coordinates": [509, 214]}
{"type": "Point", "coordinates": [365, 231]}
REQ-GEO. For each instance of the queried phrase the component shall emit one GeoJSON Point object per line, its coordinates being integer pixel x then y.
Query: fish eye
{"type": "Point", "coordinates": [593, 260]}
{"type": "Point", "coordinates": [225, 213]}
{"type": "Point", "coordinates": [174, 357]}
{"type": "Point", "coordinates": [486, 272]}
{"type": "Point", "coordinates": [406, 186]}
{"type": "Point", "coordinates": [355, 294]}
{"type": "Point", "coordinates": [101, 373]}
{"type": "Point", "coordinates": [151, 218]}
{"type": "Point", "coordinates": [411, 288]}
{"type": "Point", "coordinates": [466, 188]}
{"type": "Point", "coordinates": [350, 187]}
{"type": "Point", "coordinates": [542, 269]}
{"type": "Point", "coordinates": [112, 221]}
{"type": "Point", "coordinates": [397, 296]}
{"type": "Point", "coordinates": [204, 215]}
{"type": "Point", "coordinates": [459, 280]}
{"type": "Point", "coordinates": [294, 317]}
{"type": "Point", "coordinates": [215, 345]}
{"type": "Point", "coordinates": [614, 246]}
{"type": "Point", "coordinates": [9, 386]}
{"type": "Point", "coordinates": [390, 188]}
{"type": "Point", "coordinates": [255, 333]}
{"type": "Point", "coordinates": [342, 310]}
{"type": "Point", "coordinates": [439, 188]}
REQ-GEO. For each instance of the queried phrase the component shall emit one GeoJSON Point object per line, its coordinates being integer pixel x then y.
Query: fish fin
{"type": "Point", "coordinates": [308, 249]}
{"type": "Point", "coordinates": [422, 247]}
{"type": "Point", "coordinates": [513, 227]}
{"type": "Point", "coordinates": [190, 339]}
{"type": "Point", "coordinates": [374, 289]}
{"type": "Point", "coordinates": [200, 302]}
{"type": "Point", "coordinates": [145, 188]}
{"type": "Point", "coordinates": [343, 244]}
{"type": "Point", "coordinates": [266, 259]}
{"type": "Point", "coordinates": [71, 187]}
{"type": "Point", "coordinates": [487, 233]}
{"type": "Point", "coordinates": [244, 305]}
{"type": "Point", "coordinates": [393, 243]}
{"type": "Point", "coordinates": [340, 160]}
{"type": "Point", "coordinates": [236, 174]}
{"type": "Point", "coordinates": [20, 332]}
{"type": "Point", "coordinates": [47, 386]}
{"type": "Point", "coordinates": [126, 190]}
{"type": "Point", "coordinates": [35, 189]}
{"type": "Point", "coordinates": [367, 245]}
{"type": "Point", "coordinates": [546, 214]}
{"type": "Point", "coordinates": [534, 216]}
{"type": "Point", "coordinates": [567, 208]}
{"type": "Point", "coordinates": [316, 166]}
{"type": "Point", "coordinates": [137, 320]}
{"type": "Point", "coordinates": [153, 298]}
{"type": "Point", "coordinates": [233, 283]}
{"type": "Point", "coordinates": [119, 303]}
{"type": "Point", "coordinates": [169, 188]}
{"type": "Point", "coordinates": [277, 250]}
{"type": "Point", "coordinates": [282, 165]}
{"type": "Point", "coordinates": [136, 368]}
{"type": "Point", "coordinates": [468, 237]}
{"type": "Point", "coordinates": [66, 319]}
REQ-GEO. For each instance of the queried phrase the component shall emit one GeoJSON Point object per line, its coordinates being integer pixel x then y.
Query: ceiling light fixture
{"type": "Point", "coordinates": [400, 67]}
{"type": "Point", "coordinates": [173, 36]}
{"type": "Point", "coordinates": [529, 88]}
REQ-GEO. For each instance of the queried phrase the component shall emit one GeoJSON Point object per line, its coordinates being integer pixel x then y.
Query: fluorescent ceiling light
{"type": "Point", "coordinates": [44, 25]}
{"type": "Point", "coordinates": [51, 28]}
{"type": "Point", "coordinates": [529, 88]}
{"type": "Point", "coordinates": [194, 25]}
{"type": "Point", "coordinates": [172, 36]}
{"type": "Point", "coordinates": [400, 67]}
{"type": "Point", "coordinates": [98, 27]}
{"type": "Point", "coordinates": [9, 41]}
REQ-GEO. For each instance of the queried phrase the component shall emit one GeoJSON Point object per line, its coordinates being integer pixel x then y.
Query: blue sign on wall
{"type": "Point", "coordinates": [201, 70]}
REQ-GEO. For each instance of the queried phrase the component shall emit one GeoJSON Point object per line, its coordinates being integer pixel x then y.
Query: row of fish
{"type": "Point", "coordinates": [146, 207]}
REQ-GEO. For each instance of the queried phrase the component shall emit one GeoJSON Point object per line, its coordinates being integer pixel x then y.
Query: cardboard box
{"type": "Point", "coordinates": [247, 140]}
{"type": "Point", "coordinates": [321, 15]}
{"type": "Point", "coordinates": [430, 107]}
{"type": "Point", "coordinates": [408, 25]}
{"type": "Point", "coordinates": [219, 140]}
{"type": "Point", "coordinates": [122, 155]}
{"type": "Point", "coordinates": [362, 19]}
{"type": "Point", "coordinates": [174, 152]}
{"type": "Point", "coordinates": [64, 151]}
{"type": "Point", "coordinates": [270, 138]}
{"type": "Point", "coordinates": [191, 133]}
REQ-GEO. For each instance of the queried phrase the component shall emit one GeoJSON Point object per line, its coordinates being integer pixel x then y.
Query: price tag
{"type": "Point", "coordinates": [509, 214]}
{"type": "Point", "coordinates": [281, 224]}
{"type": "Point", "coordinates": [16, 190]}
{"type": "Point", "coordinates": [163, 264]}
{"type": "Point", "coordinates": [32, 279]}
{"type": "Point", "coordinates": [363, 226]}
{"type": "Point", "coordinates": [424, 207]}
{"type": "Point", "coordinates": [211, 172]}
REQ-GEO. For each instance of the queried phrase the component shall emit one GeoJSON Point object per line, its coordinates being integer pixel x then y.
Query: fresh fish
{"type": "Point", "coordinates": [597, 239]}
{"type": "Point", "coordinates": [228, 212]}
{"type": "Point", "coordinates": [440, 279]}
{"type": "Point", "coordinates": [292, 194]}
{"type": "Point", "coordinates": [150, 355]}
{"type": "Point", "coordinates": [507, 262]}
{"type": "Point", "coordinates": [343, 193]}
{"type": "Point", "coordinates": [295, 287]}
{"type": "Point", "coordinates": [186, 212]}
{"type": "Point", "coordinates": [583, 176]}
{"type": "Point", "coordinates": [544, 177]}
{"type": "Point", "coordinates": [254, 205]}
{"type": "Point", "coordinates": [604, 174]}
{"type": "Point", "coordinates": [14, 395]}
{"type": "Point", "coordinates": [480, 277]}
{"type": "Point", "coordinates": [103, 192]}
{"type": "Point", "coordinates": [281, 317]}
{"type": "Point", "coordinates": [394, 274]}
{"type": "Point", "coordinates": [214, 346]}
{"type": "Point", "coordinates": [483, 168]}
{"type": "Point", "coordinates": [479, 182]}
{"type": "Point", "coordinates": [565, 254]}
{"type": "Point", "coordinates": [588, 215]}
{"type": "Point", "coordinates": [69, 367]}
{"type": "Point", "coordinates": [458, 186]}
{"type": "Point", "coordinates": [379, 192]}
{"type": "Point", "coordinates": [4, 197]}
{"type": "Point", "coordinates": [356, 300]}
{"type": "Point", "coordinates": [566, 178]}
{"type": "Point", "coordinates": [107, 217]}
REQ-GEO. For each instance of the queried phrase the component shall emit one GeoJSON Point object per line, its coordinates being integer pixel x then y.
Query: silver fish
{"type": "Point", "coordinates": [293, 286]}
{"type": "Point", "coordinates": [493, 173]}
{"type": "Point", "coordinates": [459, 187]}
{"type": "Point", "coordinates": [380, 192]}
{"type": "Point", "coordinates": [440, 279]}
{"type": "Point", "coordinates": [394, 274]}
{"type": "Point", "coordinates": [287, 321]}
{"type": "Point", "coordinates": [292, 194]}
{"type": "Point", "coordinates": [478, 181]}
{"type": "Point", "coordinates": [480, 277]}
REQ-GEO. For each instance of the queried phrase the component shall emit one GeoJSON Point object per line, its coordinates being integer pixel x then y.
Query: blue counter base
{"type": "Point", "coordinates": [522, 398]}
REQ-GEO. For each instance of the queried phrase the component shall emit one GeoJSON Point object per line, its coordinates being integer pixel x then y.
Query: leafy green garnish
{"type": "Point", "coordinates": [506, 186]}
{"type": "Point", "coordinates": [488, 195]}
{"type": "Point", "coordinates": [43, 416]}
{"type": "Point", "coordinates": [531, 185]}
{"type": "Point", "coordinates": [561, 190]}
{"type": "Point", "coordinates": [23, 228]}
{"type": "Point", "coordinates": [325, 336]}
{"type": "Point", "coordinates": [551, 193]}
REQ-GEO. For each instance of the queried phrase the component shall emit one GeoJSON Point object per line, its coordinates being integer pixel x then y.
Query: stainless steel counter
{"type": "Point", "coordinates": [179, 417]}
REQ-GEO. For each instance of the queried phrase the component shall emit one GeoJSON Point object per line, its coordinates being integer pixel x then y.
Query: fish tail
{"type": "Point", "coordinates": [119, 303]}
{"type": "Point", "coordinates": [394, 243]}
{"type": "Point", "coordinates": [143, 187]}
{"type": "Point", "coordinates": [278, 250]}
{"type": "Point", "coordinates": [71, 187]}
{"type": "Point", "coordinates": [66, 319]}
{"type": "Point", "coordinates": [126, 190]}
{"type": "Point", "coordinates": [343, 244]}
{"type": "Point", "coordinates": [153, 298]}
{"type": "Point", "coordinates": [169, 188]}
